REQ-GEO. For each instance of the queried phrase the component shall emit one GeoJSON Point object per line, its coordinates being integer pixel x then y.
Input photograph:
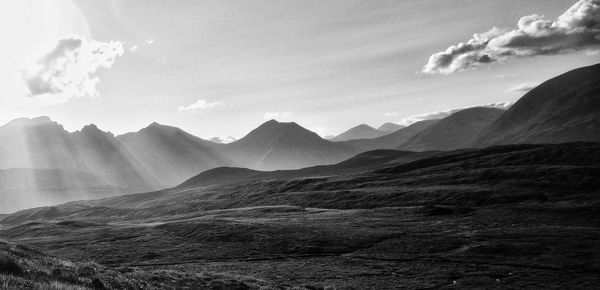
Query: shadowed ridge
{"type": "Point", "coordinates": [359, 163]}
{"type": "Point", "coordinates": [219, 175]}
{"type": "Point", "coordinates": [565, 108]}
{"type": "Point", "coordinates": [453, 132]}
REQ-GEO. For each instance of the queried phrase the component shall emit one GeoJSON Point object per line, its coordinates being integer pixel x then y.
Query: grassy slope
{"type": "Point", "coordinates": [509, 216]}
{"type": "Point", "coordinates": [24, 268]}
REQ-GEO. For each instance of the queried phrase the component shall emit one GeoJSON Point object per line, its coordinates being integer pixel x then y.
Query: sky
{"type": "Point", "coordinates": [221, 68]}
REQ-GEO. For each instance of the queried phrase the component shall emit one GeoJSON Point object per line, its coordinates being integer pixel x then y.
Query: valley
{"type": "Point", "coordinates": [467, 218]}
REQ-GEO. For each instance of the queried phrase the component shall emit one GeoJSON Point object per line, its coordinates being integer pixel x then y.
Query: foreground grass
{"type": "Point", "coordinates": [23, 268]}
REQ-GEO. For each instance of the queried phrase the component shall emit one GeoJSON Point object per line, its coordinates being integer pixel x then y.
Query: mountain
{"type": "Point", "coordinates": [453, 132]}
{"type": "Point", "coordinates": [277, 145]}
{"type": "Point", "coordinates": [361, 131]}
{"type": "Point", "coordinates": [390, 127]}
{"type": "Point", "coordinates": [41, 163]}
{"type": "Point", "coordinates": [37, 143]}
{"type": "Point", "coordinates": [563, 109]}
{"type": "Point", "coordinates": [171, 155]}
{"type": "Point", "coordinates": [104, 156]}
{"type": "Point", "coordinates": [389, 141]}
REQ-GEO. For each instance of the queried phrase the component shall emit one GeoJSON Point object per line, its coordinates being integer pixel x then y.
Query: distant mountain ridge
{"type": "Point", "coordinates": [563, 109]}
{"type": "Point", "coordinates": [277, 145]}
{"type": "Point", "coordinates": [390, 127]}
{"type": "Point", "coordinates": [362, 131]}
{"type": "Point", "coordinates": [171, 155]}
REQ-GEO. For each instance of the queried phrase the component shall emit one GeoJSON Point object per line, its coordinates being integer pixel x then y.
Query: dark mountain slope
{"type": "Point", "coordinates": [563, 109]}
{"type": "Point", "coordinates": [361, 131]}
{"type": "Point", "coordinates": [453, 132]}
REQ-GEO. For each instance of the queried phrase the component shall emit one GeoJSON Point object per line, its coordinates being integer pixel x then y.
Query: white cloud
{"type": "Point", "coordinates": [428, 116]}
{"type": "Point", "coordinates": [68, 70]}
{"type": "Point", "coordinates": [199, 104]}
{"type": "Point", "coordinates": [445, 113]}
{"type": "Point", "coordinates": [149, 41]}
{"type": "Point", "coordinates": [523, 88]}
{"type": "Point", "coordinates": [277, 115]}
{"type": "Point", "coordinates": [223, 140]}
{"type": "Point", "coordinates": [390, 114]}
{"type": "Point", "coordinates": [592, 52]}
{"type": "Point", "coordinates": [133, 48]}
{"type": "Point", "coordinates": [576, 29]}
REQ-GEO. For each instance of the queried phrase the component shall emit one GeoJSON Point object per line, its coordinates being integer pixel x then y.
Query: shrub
{"type": "Point", "coordinates": [8, 266]}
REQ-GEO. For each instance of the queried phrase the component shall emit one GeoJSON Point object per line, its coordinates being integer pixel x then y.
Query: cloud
{"type": "Point", "coordinates": [390, 114]}
{"type": "Point", "coordinates": [443, 114]}
{"type": "Point", "coordinates": [523, 88]}
{"type": "Point", "coordinates": [503, 106]}
{"type": "Point", "coordinates": [428, 116]}
{"type": "Point", "coordinates": [223, 140]}
{"type": "Point", "coordinates": [199, 104]}
{"type": "Point", "coordinates": [133, 48]}
{"type": "Point", "coordinates": [149, 41]}
{"type": "Point", "coordinates": [277, 115]}
{"type": "Point", "coordinates": [68, 70]}
{"type": "Point", "coordinates": [592, 52]}
{"type": "Point", "coordinates": [576, 29]}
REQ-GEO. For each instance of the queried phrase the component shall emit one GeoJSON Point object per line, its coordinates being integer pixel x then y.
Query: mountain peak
{"type": "Point", "coordinates": [31, 121]}
{"type": "Point", "coordinates": [390, 127]}
{"type": "Point", "coordinates": [362, 131]}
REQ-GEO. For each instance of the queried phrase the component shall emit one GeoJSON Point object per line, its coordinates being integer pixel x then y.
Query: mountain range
{"type": "Point", "coordinates": [563, 109]}
{"type": "Point", "coordinates": [364, 131]}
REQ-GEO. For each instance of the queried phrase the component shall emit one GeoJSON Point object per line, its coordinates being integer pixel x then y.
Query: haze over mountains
{"type": "Point", "coordinates": [97, 163]}
{"type": "Point", "coordinates": [364, 131]}
{"type": "Point", "coordinates": [453, 132]}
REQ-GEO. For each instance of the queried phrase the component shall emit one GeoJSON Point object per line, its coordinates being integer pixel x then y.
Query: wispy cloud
{"type": "Point", "coordinates": [149, 41]}
{"type": "Point", "coordinates": [223, 140]}
{"type": "Point", "coordinates": [277, 115]}
{"type": "Point", "coordinates": [592, 52]}
{"type": "Point", "coordinates": [576, 29]}
{"type": "Point", "coordinates": [445, 113]}
{"type": "Point", "coordinates": [523, 88]}
{"type": "Point", "coordinates": [68, 70]}
{"type": "Point", "coordinates": [133, 48]}
{"type": "Point", "coordinates": [199, 104]}
{"type": "Point", "coordinates": [428, 116]}
{"type": "Point", "coordinates": [390, 114]}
